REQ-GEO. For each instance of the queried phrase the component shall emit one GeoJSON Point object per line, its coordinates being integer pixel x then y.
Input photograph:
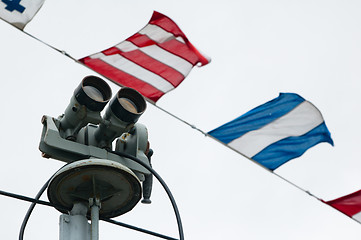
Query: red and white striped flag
{"type": "Point", "coordinates": [349, 205]}
{"type": "Point", "coordinates": [153, 61]}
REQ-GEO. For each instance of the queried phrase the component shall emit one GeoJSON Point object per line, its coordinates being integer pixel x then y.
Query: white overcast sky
{"type": "Point", "coordinates": [258, 49]}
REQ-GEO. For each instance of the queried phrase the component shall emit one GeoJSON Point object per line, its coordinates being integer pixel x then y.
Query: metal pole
{"type": "Point", "coordinates": [94, 204]}
{"type": "Point", "coordinates": [75, 226]}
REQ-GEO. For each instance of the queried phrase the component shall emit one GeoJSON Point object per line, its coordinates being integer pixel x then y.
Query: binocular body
{"type": "Point", "coordinates": [88, 141]}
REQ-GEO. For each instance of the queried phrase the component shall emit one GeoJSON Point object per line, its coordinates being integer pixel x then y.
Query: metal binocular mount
{"type": "Point", "coordinates": [96, 181]}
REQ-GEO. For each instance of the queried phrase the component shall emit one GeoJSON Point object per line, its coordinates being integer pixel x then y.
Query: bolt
{"type": "Point", "coordinates": [44, 155]}
{"type": "Point", "coordinates": [43, 120]}
{"type": "Point", "coordinates": [67, 219]}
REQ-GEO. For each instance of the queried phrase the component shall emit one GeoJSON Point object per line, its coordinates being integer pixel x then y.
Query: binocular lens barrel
{"type": "Point", "coordinates": [93, 92]}
{"type": "Point", "coordinates": [123, 111]}
{"type": "Point", "coordinates": [89, 99]}
{"type": "Point", "coordinates": [128, 105]}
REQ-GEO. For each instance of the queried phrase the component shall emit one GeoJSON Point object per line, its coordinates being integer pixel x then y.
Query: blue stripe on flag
{"type": "Point", "coordinates": [275, 132]}
{"type": "Point", "coordinates": [257, 117]}
{"type": "Point", "coordinates": [284, 150]}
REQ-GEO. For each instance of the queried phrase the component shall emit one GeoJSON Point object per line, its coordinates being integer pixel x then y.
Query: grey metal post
{"type": "Point", "coordinates": [94, 204]}
{"type": "Point", "coordinates": [75, 226]}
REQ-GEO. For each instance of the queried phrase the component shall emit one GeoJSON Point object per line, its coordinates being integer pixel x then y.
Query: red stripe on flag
{"type": "Point", "coordinates": [202, 59]}
{"type": "Point", "coordinates": [167, 24]}
{"type": "Point", "coordinates": [143, 60]}
{"type": "Point", "coordinates": [173, 46]}
{"type": "Point", "coordinates": [349, 204]}
{"type": "Point", "coordinates": [111, 51]}
{"type": "Point", "coordinates": [122, 78]}
{"type": "Point", "coordinates": [141, 40]}
{"type": "Point", "coordinates": [181, 50]}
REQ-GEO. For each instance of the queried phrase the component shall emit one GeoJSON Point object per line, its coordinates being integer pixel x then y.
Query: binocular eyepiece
{"type": "Point", "coordinates": [89, 99]}
{"type": "Point", "coordinates": [128, 105]}
{"type": "Point", "coordinates": [93, 93]}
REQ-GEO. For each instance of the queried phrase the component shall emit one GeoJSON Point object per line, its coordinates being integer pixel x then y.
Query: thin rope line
{"type": "Point", "coordinates": [27, 199]}
{"type": "Point", "coordinates": [30, 210]}
{"type": "Point", "coordinates": [178, 118]}
{"type": "Point", "coordinates": [164, 185]}
{"type": "Point", "coordinates": [257, 163]}
{"type": "Point", "coordinates": [54, 48]}
{"type": "Point", "coordinates": [41, 202]}
{"type": "Point", "coordinates": [137, 229]}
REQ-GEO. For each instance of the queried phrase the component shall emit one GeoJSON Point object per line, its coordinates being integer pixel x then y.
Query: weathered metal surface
{"type": "Point", "coordinates": [116, 186]}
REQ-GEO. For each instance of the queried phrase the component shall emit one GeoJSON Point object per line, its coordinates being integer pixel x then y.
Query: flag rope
{"type": "Point", "coordinates": [47, 44]}
{"type": "Point", "coordinates": [180, 119]}
{"type": "Point", "coordinates": [227, 146]}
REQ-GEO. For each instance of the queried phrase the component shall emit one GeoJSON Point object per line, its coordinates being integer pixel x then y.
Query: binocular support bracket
{"type": "Point", "coordinates": [52, 145]}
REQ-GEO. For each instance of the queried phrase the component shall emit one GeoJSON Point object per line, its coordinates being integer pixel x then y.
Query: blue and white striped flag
{"type": "Point", "coordinates": [275, 132]}
{"type": "Point", "coordinates": [19, 12]}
